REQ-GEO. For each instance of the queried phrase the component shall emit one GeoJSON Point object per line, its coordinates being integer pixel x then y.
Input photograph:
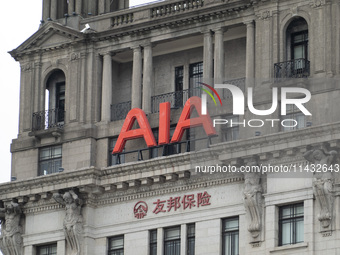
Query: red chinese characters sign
{"type": "Point", "coordinates": [173, 203]}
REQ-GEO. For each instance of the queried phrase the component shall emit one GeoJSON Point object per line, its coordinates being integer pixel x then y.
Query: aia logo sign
{"type": "Point", "coordinates": [140, 210]}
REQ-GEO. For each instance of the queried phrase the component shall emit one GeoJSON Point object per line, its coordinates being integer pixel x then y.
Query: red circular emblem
{"type": "Point", "coordinates": [140, 210]}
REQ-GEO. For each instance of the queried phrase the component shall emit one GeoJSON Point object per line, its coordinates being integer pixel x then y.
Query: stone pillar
{"type": "Point", "coordinates": [79, 7]}
{"type": "Point", "coordinates": [207, 56]}
{"type": "Point", "coordinates": [46, 9]}
{"type": "Point", "coordinates": [101, 7]}
{"type": "Point", "coordinates": [219, 57]}
{"type": "Point", "coordinates": [106, 88]}
{"type": "Point", "coordinates": [250, 51]}
{"type": "Point", "coordinates": [54, 9]}
{"type": "Point", "coordinates": [147, 78]}
{"type": "Point", "coordinates": [70, 8]}
{"type": "Point", "coordinates": [136, 89]}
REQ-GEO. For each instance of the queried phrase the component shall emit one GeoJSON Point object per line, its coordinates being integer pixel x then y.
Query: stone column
{"type": "Point", "coordinates": [71, 7]}
{"type": "Point", "coordinates": [219, 57]}
{"type": "Point", "coordinates": [101, 6]}
{"type": "Point", "coordinates": [207, 56]}
{"type": "Point", "coordinates": [250, 51]}
{"type": "Point", "coordinates": [79, 7]}
{"type": "Point", "coordinates": [54, 9]}
{"type": "Point", "coordinates": [136, 90]}
{"type": "Point", "coordinates": [106, 88]}
{"type": "Point", "coordinates": [147, 79]}
{"type": "Point", "coordinates": [46, 9]}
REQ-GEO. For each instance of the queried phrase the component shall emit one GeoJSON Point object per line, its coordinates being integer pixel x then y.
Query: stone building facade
{"type": "Point", "coordinates": [90, 62]}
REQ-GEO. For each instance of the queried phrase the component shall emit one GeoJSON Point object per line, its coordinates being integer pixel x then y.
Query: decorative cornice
{"type": "Point", "coordinates": [169, 174]}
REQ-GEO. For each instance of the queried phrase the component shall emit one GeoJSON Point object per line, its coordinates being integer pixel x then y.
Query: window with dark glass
{"type": "Point", "coordinates": [297, 48]}
{"type": "Point", "coordinates": [294, 118]}
{"type": "Point", "coordinates": [153, 242]}
{"type": "Point", "coordinates": [116, 245]}
{"type": "Point", "coordinates": [291, 224]}
{"type": "Point", "coordinates": [172, 241]}
{"type": "Point", "coordinates": [153, 152]}
{"type": "Point", "coordinates": [50, 249]}
{"type": "Point", "coordinates": [231, 129]}
{"type": "Point", "coordinates": [230, 236]}
{"type": "Point", "coordinates": [195, 76]}
{"type": "Point", "coordinates": [116, 158]}
{"type": "Point", "coordinates": [191, 239]}
{"type": "Point", "coordinates": [60, 101]}
{"type": "Point", "coordinates": [178, 87]}
{"type": "Point", "coordinates": [50, 159]}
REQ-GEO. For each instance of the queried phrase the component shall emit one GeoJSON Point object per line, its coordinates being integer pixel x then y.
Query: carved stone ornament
{"type": "Point", "coordinates": [26, 67]}
{"type": "Point", "coordinates": [252, 197]}
{"type": "Point", "coordinates": [265, 15]}
{"type": "Point", "coordinates": [323, 183]}
{"type": "Point", "coordinates": [11, 242]}
{"type": "Point", "coordinates": [74, 56]}
{"type": "Point", "coordinates": [73, 221]}
{"type": "Point", "coordinates": [316, 3]}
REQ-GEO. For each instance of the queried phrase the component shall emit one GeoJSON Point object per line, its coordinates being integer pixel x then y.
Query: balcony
{"type": "Point", "coordinates": [177, 99]}
{"type": "Point", "coordinates": [295, 68]}
{"type": "Point", "coordinates": [53, 118]}
{"type": "Point", "coordinates": [120, 110]}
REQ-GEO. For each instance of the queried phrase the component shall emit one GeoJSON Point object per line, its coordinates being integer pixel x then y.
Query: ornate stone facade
{"type": "Point", "coordinates": [73, 196]}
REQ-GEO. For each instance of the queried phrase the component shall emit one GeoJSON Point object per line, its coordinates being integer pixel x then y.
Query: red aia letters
{"type": "Point", "coordinates": [145, 131]}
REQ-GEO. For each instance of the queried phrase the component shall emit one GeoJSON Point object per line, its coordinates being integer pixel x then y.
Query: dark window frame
{"type": "Point", "coordinates": [173, 243]}
{"type": "Point", "coordinates": [54, 160]}
{"type": "Point", "coordinates": [116, 250]}
{"type": "Point", "coordinates": [49, 248]}
{"type": "Point", "coordinates": [292, 220]}
{"type": "Point", "coordinates": [153, 242]}
{"type": "Point", "coordinates": [191, 233]}
{"type": "Point", "coordinates": [230, 233]}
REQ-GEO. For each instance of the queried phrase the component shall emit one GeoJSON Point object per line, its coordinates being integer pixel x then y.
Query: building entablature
{"type": "Point", "coordinates": [175, 173]}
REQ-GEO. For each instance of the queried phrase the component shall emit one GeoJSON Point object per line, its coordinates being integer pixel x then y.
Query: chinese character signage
{"type": "Point", "coordinates": [172, 204]}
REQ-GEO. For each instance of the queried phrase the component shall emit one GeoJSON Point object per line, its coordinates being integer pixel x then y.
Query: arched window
{"type": "Point", "coordinates": [296, 64]}
{"type": "Point", "coordinates": [55, 98]}
{"type": "Point", "coordinates": [297, 39]}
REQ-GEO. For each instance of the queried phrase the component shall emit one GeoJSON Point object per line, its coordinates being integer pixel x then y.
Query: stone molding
{"type": "Point", "coordinates": [275, 148]}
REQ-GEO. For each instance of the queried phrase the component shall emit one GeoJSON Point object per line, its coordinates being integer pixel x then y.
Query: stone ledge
{"type": "Point", "coordinates": [289, 247]}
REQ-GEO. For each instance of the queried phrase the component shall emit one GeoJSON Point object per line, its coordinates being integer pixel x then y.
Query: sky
{"type": "Point", "coordinates": [19, 20]}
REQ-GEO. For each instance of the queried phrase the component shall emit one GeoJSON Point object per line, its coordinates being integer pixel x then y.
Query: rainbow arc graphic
{"type": "Point", "coordinates": [209, 93]}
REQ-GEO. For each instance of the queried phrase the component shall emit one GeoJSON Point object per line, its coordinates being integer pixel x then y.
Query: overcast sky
{"type": "Point", "coordinates": [19, 20]}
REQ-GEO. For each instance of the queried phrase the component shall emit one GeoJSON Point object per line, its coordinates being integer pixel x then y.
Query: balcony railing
{"type": "Point", "coordinates": [176, 7]}
{"type": "Point", "coordinates": [295, 68]}
{"type": "Point", "coordinates": [48, 119]}
{"type": "Point", "coordinates": [120, 110]}
{"type": "Point", "coordinates": [240, 83]}
{"type": "Point", "coordinates": [177, 99]}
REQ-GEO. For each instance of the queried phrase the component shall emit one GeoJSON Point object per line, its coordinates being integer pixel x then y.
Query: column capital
{"type": "Point", "coordinates": [107, 53]}
{"type": "Point", "coordinates": [136, 48]}
{"type": "Point", "coordinates": [249, 22]}
{"type": "Point", "coordinates": [220, 30]}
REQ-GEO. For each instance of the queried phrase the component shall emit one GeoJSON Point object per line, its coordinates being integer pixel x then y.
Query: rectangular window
{"type": "Point", "coordinates": [231, 129]}
{"type": "Point", "coordinates": [50, 249]}
{"type": "Point", "coordinates": [294, 118]}
{"type": "Point", "coordinates": [191, 239]}
{"type": "Point", "coordinates": [291, 224]}
{"type": "Point", "coordinates": [172, 241]}
{"type": "Point", "coordinates": [117, 158]}
{"type": "Point", "coordinates": [116, 245]}
{"type": "Point", "coordinates": [50, 160]}
{"type": "Point", "coordinates": [230, 236]}
{"type": "Point", "coordinates": [153, 242]}
{"type": "Point", "coordinates": [153, 152]}
{"type": "Point", "coordinates": [178, 87]}
{"type": "Point", "coordinates": [195, 76]}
